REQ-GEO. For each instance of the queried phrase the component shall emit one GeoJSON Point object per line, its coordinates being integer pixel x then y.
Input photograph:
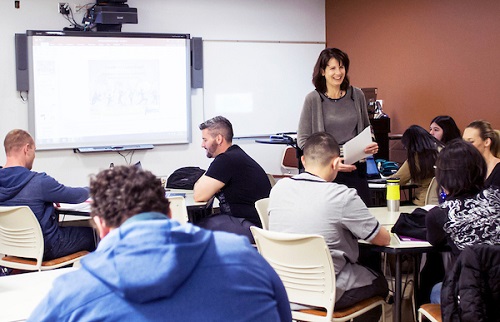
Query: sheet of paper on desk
{"type": "Point", "coordinates": [83, 207]}
{"type": "Point", "coordinates": [355, 147]}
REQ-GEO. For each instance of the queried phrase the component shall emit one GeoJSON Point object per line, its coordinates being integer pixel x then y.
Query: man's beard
{"type": "Point", "coordinates": [211, 150]}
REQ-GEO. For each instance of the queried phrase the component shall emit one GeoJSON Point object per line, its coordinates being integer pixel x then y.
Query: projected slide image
{"type": "Point", "coordinates": [120, 90]}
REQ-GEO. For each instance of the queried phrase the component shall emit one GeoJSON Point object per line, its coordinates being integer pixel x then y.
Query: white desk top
{"type": "Point", "coordinates": [188, 196]}
{"type": "Point", "coordinates": [20, 294]}
{"type": "Point", "coordinates": [84, 207]}
{"type": "Point", "coordinates": [388, 218]}
{"type": "Point", "coordinates": [376, 185]}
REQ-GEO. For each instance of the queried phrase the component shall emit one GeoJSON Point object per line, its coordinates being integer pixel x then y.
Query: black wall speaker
{"type": "Point", "coordinates": [196, 62]}
{"type": "Point", "coordinates": [22, 73]}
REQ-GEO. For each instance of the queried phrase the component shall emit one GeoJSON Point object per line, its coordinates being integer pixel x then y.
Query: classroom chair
{"type": "Point", "coordinates": [272, 179]}
{"type": "Point", "coordinates": [431, 311]}
{"type": "Point", "coordinates": [261, 206]}
{"type": "Point", "coordinates": [431, 197]}
{"type": "Point", "coordinates": [178, 209]}
{"type": "Point", "coordinates": [21, 241]}
{"type": "Point", "coordinates": [289, 162]}
{"type": "Point", "coordinates": [305, 266]}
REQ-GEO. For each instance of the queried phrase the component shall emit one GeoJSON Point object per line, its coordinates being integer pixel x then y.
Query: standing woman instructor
{"type": "Point", "coordinates": [340, 109]}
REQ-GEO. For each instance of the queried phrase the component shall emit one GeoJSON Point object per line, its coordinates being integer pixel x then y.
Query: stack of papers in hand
{"type": "Point", "coordinates": [355, 147]}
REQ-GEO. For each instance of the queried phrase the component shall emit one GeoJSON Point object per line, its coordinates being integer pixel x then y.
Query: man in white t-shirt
{"type": "Point", "coordinates": [310, 203]}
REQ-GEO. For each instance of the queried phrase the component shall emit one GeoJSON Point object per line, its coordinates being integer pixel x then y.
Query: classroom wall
{"type": "Point", "coordinates": [257, 20]}
{"type": "Point", "coordinates": [426, 57]}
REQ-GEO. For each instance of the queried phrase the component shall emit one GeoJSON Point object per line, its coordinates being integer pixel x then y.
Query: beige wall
{"type": "Point", "coordinates": [426, 57]}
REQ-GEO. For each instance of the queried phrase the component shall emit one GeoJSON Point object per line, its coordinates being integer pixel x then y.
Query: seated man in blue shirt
{"type": "Point", "coordinates": [19, 186]}
{"type": "Point", "coordinates": [233, 177]}
{"type": "Point", "coordinates": [310, 203]}
{"type": "Point", "coordinates": [150, 268]}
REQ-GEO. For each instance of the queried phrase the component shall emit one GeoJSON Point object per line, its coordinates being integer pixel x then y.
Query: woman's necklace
{"type": "Point", "coordinates": [341, 94]}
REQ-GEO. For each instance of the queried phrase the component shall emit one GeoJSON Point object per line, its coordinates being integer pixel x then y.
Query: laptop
{"type": "Point", "coordinates": [372, 173]}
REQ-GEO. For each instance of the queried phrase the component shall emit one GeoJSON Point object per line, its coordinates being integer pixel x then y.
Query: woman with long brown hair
{"type": "Point", "coordinates": [422, 151]}
{"type": "Point", "coordinates": [484, 138]}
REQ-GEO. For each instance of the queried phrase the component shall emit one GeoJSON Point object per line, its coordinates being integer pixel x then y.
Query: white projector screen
{"type": "Point", "coordinates": [93, 89]}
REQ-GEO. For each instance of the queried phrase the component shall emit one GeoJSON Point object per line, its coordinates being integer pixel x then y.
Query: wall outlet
{"type": "Point", "coordinates": [63, 8]}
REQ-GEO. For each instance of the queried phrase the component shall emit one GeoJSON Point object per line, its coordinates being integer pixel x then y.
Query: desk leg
{"type": "Point", "coordinates": [416, 285]}
{"type": "Point", "coordinates": [397, 290]}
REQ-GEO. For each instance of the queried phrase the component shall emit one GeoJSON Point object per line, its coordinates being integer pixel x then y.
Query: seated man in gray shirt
{"type": "Point", "coordinates": [310, 203]}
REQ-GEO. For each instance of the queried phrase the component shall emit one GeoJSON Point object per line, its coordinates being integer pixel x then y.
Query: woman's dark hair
{"type": "Point", "coordinates": [450, 128]}
{"type": "Point", "coordinates": [318, 79]}
{"type": "Point", "coordinates": [125, 191]}
{"type": "Point", "coordinates": [460, 169]}
{"type": "Point", "coordinates": [487, 132]}
{"type": "Point", "coordinates": [422, 152]}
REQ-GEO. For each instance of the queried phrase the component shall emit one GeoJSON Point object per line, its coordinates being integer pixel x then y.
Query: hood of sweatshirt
{"type": "Point", "coordinates": [145, 260]}
{"type": "Point", "coordinates": [13, 180]}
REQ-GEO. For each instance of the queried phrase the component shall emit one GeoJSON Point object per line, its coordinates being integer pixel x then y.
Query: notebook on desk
{"type": "Point", "coordinates": [175, 194]}
{"type": "Point", "coordinates": [411, 241]}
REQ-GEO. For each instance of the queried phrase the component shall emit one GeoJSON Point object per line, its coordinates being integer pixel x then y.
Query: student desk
{"type": "Point", "coordinates": [21, 293]}
{"type": "Point", "coordinates": [378, 193]}
{"type": "Point", "coordinates": [387, 219]}
{"type": "Point", "coordinates": [82, 210]}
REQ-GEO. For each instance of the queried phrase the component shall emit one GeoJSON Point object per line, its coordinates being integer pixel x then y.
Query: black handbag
{"type": "Point", "coordinates": [411, 224]}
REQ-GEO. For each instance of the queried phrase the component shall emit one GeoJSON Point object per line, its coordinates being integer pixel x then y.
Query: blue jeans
{"type": "Point", "coordinates": [436, 293]}
{"type": "Point", "coordinates": [227, 223]}
{"type": "Point", "coordinates": [377, 288]}
{"type": "Point", "coordinates": [70, 240]}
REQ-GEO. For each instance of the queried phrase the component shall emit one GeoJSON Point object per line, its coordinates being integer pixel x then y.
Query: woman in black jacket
{"type": "Point", "coordinates": [470, 214]}
{"type": "Point", "coordinates": [471, 292]}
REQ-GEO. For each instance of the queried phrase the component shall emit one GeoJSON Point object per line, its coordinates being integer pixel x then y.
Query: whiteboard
{"type": "Point", "coordinates": [259, 86]}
